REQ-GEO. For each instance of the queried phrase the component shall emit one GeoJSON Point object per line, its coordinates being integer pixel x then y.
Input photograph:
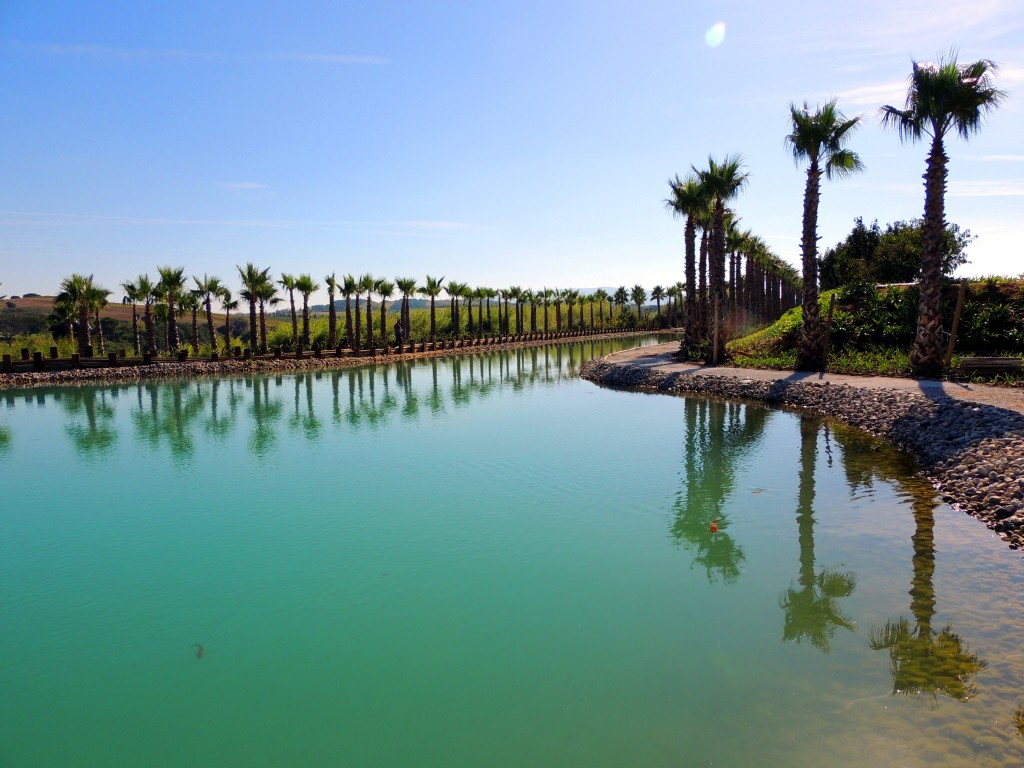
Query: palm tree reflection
{"type": "Point", "coordinates": [811, 609]}
{"type": "Point", "coordinates": [717, 434]}
{"type": "Point", "coordinates": [95, 438]}
{"type": "Point", "coordinates": [924, 660]}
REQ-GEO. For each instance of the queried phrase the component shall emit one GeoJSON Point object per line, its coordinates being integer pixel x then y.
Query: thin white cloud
{"type": "Point", "coordinates": [995, 158]}
{"type": "Point", "coordinates": [866, 96]}
{"type": "Point", "coordinates": [987, 188]}
{"type": "Point", "coordinates": [243, 185]}
{"type": "Point", "coordinates": [135, 54]}
{"type": "Point", "coordinates": [51, 218]}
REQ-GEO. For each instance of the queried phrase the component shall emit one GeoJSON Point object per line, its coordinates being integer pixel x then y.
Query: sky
{"type": "Point", "coordinates": [496, 143]}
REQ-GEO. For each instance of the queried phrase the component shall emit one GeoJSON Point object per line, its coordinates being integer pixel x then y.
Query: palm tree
{"type": "Point", "coordinates": [639, 296]}
{"type": "Point", "coordinates": [209, 287]}
{"type": "Point", "coordinates": [690, 199]}
{"type": "Point", "coordinates": [172, 285]}
{"type": "Point", "coordinates": [557, 299]}
{"type": "Point", "coordinates": [332, 311]}
{"type": "Point", "coordinates": [620, 299]}
{"type": "Point", "coordinates": [547, 295]}
{"type": "Point", "coordinates": [482, 294]}
{"type": "Point", "coordinates": [75, 294]}
{"type": "Point", "coordinates": [601, 296]}
{"type": "Point", "coordinates": [819, 137]}
{"type": "Point", "coordinates": [570, 301]}
{"type": "Point", "coordinates": [384, 289]}
{"type": "Point", "coordinates": [658, 293]}
{"type": "Point", "coordinates": [723, 181]}
{"type": "Point", "coordinates": [98, 300]}
{"type": "Point", "coordinates": [132, 296]}
{"type": "Point", "coordinates": [368, 283]}
{"type": "Point", "coordinates": [455, 292]}
{"type": "Point", "coordinates": [407, 287]}
{"type": "Point", "coordinates": [266, 295]}
{"type": "Point", "coordinates": [469, 294]}
{"type": "Point", "coordinates": [349, 285]}
{"type": "Point", "coordinates": [146, 290]}
{"type": "Point", "coordinates": [288, 283]}
{"type": "Point", "coordinates": [941, 97]}
{"type": "Point", "coordinates": [432, 288]}
{"type": "Point", "coordinates": [228, 303]}
{"type": "Point", "coordinates": [305, 285]}
{"type": "Point", "coordinates": [252, 279]}
{"type": "Point", "coordinates": [189, 302]}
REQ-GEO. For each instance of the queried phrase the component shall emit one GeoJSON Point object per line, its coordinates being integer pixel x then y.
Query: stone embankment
{"type": "Point", "coordinates": [973, 453]}
{"type": "Point", "coordinates": [269, 364]}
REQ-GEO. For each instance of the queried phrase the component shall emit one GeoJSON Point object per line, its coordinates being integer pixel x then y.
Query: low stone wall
{"type": "Point", "coordinates": [267, 364]}
{"type": "Point", "coordinates": [974, 454]}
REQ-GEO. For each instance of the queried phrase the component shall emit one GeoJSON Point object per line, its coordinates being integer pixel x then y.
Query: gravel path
{"type": "Point", "coordinates": [967, 438]}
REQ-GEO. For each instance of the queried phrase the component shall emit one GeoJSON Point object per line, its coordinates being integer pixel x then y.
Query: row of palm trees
{"type": "Point", "coordinates": [943, 98]}
{"type": "Point", "coordinates": [171, 296]}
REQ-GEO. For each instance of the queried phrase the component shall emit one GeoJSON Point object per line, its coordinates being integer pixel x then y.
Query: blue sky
{"type": "Point", "coordinates": [496, 143]}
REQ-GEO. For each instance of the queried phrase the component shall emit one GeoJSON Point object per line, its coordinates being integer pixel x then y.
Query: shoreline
{"type": "Point", "coordinates": [971, 451]}
{"type": "Point", "coordinates": [234, 367]}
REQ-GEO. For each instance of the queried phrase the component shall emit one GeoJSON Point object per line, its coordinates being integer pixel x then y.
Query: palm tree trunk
{"type": "Point", "coordinates": [263, 328]}
{"type": "Point", "coordinates": [369, 321]}
{"type": "Point", "coordinates": [926, 358]}
{"type": "Point", "coordinates": [811, 350]}
{"type": "Point", "coordinates": [99, 332]}
{"type": "Point", "coordinates": [227, 332]}
{"type": "Point", "coordinates": [150, 328]}
{"type": "Point", "coordinates": [172, 326]}
{"type": "Point", "coordinates": [348, 322]}
{"type": "Point", "coordinates": [295, 319]}
{"type": "Point", "coordinates": [209, 323]}
{"type": "Point", "coordinates": [195, 330]}
{"type": "Point", "coordinates": [359, 325]}
{"type": "Point", "coordinates": [254, 338]}
{"type": "Point", "coordinates": [702, 288]}
{"type": "Point", "coordinates": [135, 330]}
{"type": "Point", "coordinates": [433, 324]}
{"type": "Point", "coordinates": [305, 320]}
{"type": "Point", "coordinates": [332, 322]}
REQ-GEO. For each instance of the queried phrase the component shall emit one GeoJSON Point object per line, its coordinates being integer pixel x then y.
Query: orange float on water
{"type": "Point", "coordinates": [714, 526]}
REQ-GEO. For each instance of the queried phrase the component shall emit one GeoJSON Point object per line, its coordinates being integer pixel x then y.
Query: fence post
{"type": "Point", "coordinates": [961, 294]}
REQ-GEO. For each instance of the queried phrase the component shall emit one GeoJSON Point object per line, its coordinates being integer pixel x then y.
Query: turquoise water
{"type": "Point", "coordinates": [484, 561]}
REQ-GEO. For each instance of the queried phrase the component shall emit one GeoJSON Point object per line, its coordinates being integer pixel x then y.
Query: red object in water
{"type": "Point", "coordinates": [714, 526]}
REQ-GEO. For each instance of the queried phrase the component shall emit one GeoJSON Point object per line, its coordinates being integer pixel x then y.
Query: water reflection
{"type": "Point", "coordinates": [923, 659]}
{"type": "Point", "coordinates": [717, 436]}
{"type": "Point", "coordinates": [90, 421]}
{"type": "Point", "coordinates": [811, 608]}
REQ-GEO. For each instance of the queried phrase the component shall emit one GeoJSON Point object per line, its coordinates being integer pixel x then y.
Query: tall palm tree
{"type": "Point", "coordinates": [209, 287]}
{"type": "Point", "coordinates": [601, 296]}
{"type": "Point", "coordinates": [557, 299]}
{"type": "Point", "coordinates": [266, 295]}
{"type": "Point", "coordinates": [620, 299]}
{"type": "Point", "coordinates": [252, 279]}
{"type": "Point", "coordinates": [306, 285]}
{"type": "Point", "coordinates": [658, 293]}
{"type": "Point", "coordinates": [144, 286]}
{"type": "Point", "coordinates": [288, 283]}
{"type": "Point", "coordinates": [689, 199]}
{"type": "Point", "coordinates": [132, 296]}
{"type": "Point", "coordinates": [75, 294]}
{"type": "Point", "coordinates": [98, 300]}
{"type": "Point", "coordinates": [172, 284]}
{"type": "Point", "coordinates": [190, 302]}
{"type": "Point", "coordinates": [349, 285]}
{"type": "Point", "coordinates": [638, 296]}
{"type": "Point", "coordinates": [367, 283]}
{"type": "Point", "coordinates": [547, 295]}
{"type": "Point", "coordinates": [455, 292]}
{"type": "Point", "coordinates": [468, 294]}
{"type": "Point", "coordinates": [723, 181]}
{"type": "Point", "coordinates": [228, 303]}
{"type": "Point", "coordinates": [432, 288]}
{"type": "Point", "coordinates": [407, 287]}
{"type": "Point", "coordinates": [481, 295]}
{"type": "Point", "coordinates": [942, 97]}
{"type": "Point", "coordinates": [385, 289]}
{"type": "Point", "coordinates": [332, 312]}
{"type": "Point", "coordinates": [820, 138]}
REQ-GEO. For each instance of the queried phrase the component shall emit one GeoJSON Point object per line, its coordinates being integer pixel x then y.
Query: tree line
{"type": "Point", "coordinates": [943, 98]}
{"type": "Point", "coordinates": [352, 319]}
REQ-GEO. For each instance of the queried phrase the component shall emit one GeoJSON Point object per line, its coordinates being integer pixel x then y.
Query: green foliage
{"type": "Point", "coordinates": [871, 255]}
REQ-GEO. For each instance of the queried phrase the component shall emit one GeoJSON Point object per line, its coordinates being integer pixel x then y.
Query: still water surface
{"type": "Point", "coordinates": [484, 561]}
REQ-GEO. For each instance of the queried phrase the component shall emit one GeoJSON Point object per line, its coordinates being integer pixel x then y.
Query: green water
{"type": "Point", "coordinates": [484, 561]}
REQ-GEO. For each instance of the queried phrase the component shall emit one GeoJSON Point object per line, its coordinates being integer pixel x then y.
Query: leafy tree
{"type": "Point", "coordinates": [871, 255]}
{"type": "Point", "coordinates": [942, 97]}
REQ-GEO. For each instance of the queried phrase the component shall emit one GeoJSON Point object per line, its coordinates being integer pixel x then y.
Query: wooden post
{"type": "Point", "coordinates": [8, 366]}
{"type": "Point", "coordinates": [961, 294]}
{"type": "Point", "coordinates": [828, 330]}
{"type": "Point", "coordinates": [53, 353]}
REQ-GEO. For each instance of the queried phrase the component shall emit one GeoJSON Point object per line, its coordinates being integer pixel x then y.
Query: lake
{"type": "Point", "coordinates": [485, 561]}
